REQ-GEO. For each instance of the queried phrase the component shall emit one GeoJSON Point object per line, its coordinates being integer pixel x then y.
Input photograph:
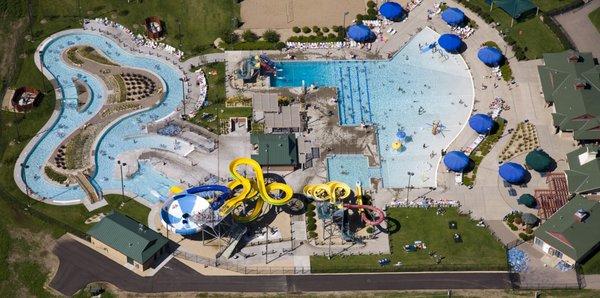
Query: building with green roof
{"type": "Point", "coordinates": [571, 83]}
{"type": "Point", "coordinates": [583, 175]}
{"type": "Point", "coordinates": [572, 233]}
{"type": "Point", "coordinates": [128, 242]}
{"type": "Point", "coordinates": [278, 152]}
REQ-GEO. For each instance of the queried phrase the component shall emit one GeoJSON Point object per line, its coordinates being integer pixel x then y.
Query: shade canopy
{"type": "Point", "coordinates": [391, 11]}
{"type": "Point", "coordinates": [456, 161]}
{"type": "Point", "coordinates": [360, 33]}
{"type": "Point", "coordinates": [530, 219]}
{"type": "Point", "coordinates": [490, 56]}
{"type": "Point", "coordinates": [539, 160]}
{"type": "Point", "coordinates": [527, 200]}
{"type": "Point", "coordinates": [481, 123]}
{"type": "Point", "coordinates": [400, 134]}
{"type": "Point", "coordinates": [513, 173]}
{"type": "Point", "coordinates": [450, 42]}
{"type": "Point", "coordinates": [453, 16]}
{"type": "Point", "coordinates": [515, 8]}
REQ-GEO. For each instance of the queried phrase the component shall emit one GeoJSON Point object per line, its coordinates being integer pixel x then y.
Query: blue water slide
{"type": "Point", "coordinates": [216, 204]}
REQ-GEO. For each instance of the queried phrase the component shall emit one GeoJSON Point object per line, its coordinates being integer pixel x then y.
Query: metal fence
{"type": "Point", "coordinates": [27, 206]}
{"type": "Point", "coordinates": [231, 266]}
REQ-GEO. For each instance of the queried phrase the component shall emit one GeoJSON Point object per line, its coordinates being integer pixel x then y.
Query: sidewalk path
{"type": "Point", "coordinates": [581, 30]}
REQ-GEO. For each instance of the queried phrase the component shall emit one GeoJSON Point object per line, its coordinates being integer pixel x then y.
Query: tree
{"type": "Point", "coordinates": [230, 37]}
{"type": "Point", "coordinates": [249, 36]}
{"type": "Point", "coordinates": [371, 4]}
{"type": "Point", "coordinates": [271, 36]}
{"type": "Point", "coordinates": [316, 29]}
{"type": "Point", "coordinates": [372, 12]}
{"type": "Point", "coordinates": [325, 29]}
{"type": "Point", "coordinates": [296, 29]}
{"type": "Point", "coordinates": [305, 30]}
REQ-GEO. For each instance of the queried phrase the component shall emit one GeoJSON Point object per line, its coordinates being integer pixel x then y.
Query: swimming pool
{"type": "Point", "coordinates": [127, 134]}
{"type": "Point", "coordinates": [408, 92]}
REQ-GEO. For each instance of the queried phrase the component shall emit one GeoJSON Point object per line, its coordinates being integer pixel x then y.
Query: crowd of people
{"type": "Point", "coordinates": [139, 40]}
{"type": "Point", "coordinates": [422, 202]}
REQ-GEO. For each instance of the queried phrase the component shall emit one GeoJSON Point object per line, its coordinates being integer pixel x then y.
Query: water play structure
{"type": "Point", "coordinates": [335, 192]}
{"type": "Point", "coordinates": [189, 211]}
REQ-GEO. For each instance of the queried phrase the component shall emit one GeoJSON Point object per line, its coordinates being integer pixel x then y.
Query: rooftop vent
{"type": "Point", "coordinates": [580, 85]}
{"type": "Point", "coordinates": [141, 227]}
{"type": "Point", "coordinates": [573, 57]}
{"type": "Point", "coordinates": [581, 215]}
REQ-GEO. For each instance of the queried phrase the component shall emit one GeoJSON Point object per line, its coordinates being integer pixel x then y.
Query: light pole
{"type": "Point", "coordinates": [183, 96]}
{"type": "Point", "coordinates": [410, 174]}
{"type": "Point", "coordinates": [267, 246]}
{"type": "Point", "coordinates": [344, 21]}
{"type": "Point", "coordinates": [179, 32]}
{"type": "Point", "coordinates": [24, 167]}
{"type": "Point", "coordinates": [121, 165]}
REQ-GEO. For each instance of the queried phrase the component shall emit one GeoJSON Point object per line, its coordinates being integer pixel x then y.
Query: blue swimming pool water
{"type": "Point", "coordinates": [125, 135]}
{"type": "Point", "coordinates": [409, 92]}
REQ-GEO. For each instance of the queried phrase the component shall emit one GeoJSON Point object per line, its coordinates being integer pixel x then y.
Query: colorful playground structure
{"type": "Point", "coordinates": [189, 211]}
{"type": "Point", "coordinates": [334, 193]}
{"type": "Point", "coordinates": [253, 66]}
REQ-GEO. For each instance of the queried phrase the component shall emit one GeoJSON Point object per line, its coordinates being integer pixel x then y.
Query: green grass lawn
{"type": "Point", "coordinates": [595, 18]}
{"type": "Point", "coordinates": [215, 79]}
{"type": "Point", "coordinates": [531, 34]}
{"type": "Point", "coordinates": [547, 5]}
{"type": "Point", "coordinates": [478, 251]}
{"type": "Point", "coordinates": [592, 265]}
{"type": "Point", "coordinates": [201, 21]}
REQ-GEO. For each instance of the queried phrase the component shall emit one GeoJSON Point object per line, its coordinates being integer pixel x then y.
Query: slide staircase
{"type": "Point", "coordinates": [235, 235]}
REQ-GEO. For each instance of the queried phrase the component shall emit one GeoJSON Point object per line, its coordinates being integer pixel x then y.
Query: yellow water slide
{"type": "Point", "coordinates": [332, 191]}
{"type": "Point", "coordinates": [253, 190]}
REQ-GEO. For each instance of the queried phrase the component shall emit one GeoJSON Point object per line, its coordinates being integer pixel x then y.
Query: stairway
{"type": "Point", "coordinates": [235, 235]}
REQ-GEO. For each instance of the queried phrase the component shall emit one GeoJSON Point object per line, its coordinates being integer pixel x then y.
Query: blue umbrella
{"type": "Point", "coordinates": [391, 11]}
{"type": "Point", "coordinates": [400, 135]}
{"type": "Point", "coordinates": [456, 161]}
{"type": "Point", "coordinates": [453, 16]}
{"type": "Point", "coordinates": [481, 123]}
{"type": "Point", "coordinates": [490, 56]}
{"type": "Point", "coordinates": [513, 173]}
{"type": "Point", "coordinates": [360, 33]}
{"type": "Point", "coordinates": [450, 42]}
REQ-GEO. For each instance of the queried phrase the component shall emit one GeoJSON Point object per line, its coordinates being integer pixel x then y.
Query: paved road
{"type": "Point", "coordinates": [580, 28]}
{"type": "Point", "coordinates": [80, 265]}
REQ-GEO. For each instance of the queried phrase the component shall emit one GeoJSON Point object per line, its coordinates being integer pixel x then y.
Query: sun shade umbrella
{"type": "Point", "coordinates": [456, 161]}
{"type": "Point", "coordinates": [360, 33]}
{"type": "Point", "coordinates": [513, 173]}
{"type": "Point", "coordinates": [450, 42]}
{"type": "Point", "coordinates": [481, 123]}
{"type": "Point", "coordinates": [391, 11]}
{"type": "Point", "coordinates": [490, 56]}
{"type": "Point", "coordinates": [530, 219]}
{"type": "Point", "coordinates": [400, 134]}
{"type": "Point", "coordinates": [453, 16]}
{"type": "Point", "coordinates": [539, 160]}
{"type": "Point", "coordinates": [527, 200]}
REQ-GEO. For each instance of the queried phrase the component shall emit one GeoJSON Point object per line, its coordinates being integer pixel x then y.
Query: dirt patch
{"type": "Point", "coordinates": [285, 14]}
{"type": "Point", "coordinates": [8, 49]}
